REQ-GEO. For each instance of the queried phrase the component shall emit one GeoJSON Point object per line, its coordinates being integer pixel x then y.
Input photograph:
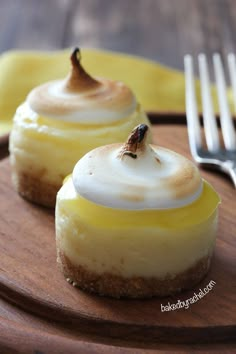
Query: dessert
{"type": "Point", "coordinates": [135, 220]}
{"type": "Point", "coordinates": [62, 120]}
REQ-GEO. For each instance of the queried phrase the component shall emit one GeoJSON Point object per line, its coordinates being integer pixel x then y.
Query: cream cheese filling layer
{"type": "Point", "coordinates": [135, 242]}
{"type": "Point", "coordinates": [39, 143]}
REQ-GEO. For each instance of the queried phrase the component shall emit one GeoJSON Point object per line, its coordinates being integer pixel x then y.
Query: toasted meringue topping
{"type": "Point", "coordinates": [137, 175]}
{"type": "Point", "coordinates": [83, 99]}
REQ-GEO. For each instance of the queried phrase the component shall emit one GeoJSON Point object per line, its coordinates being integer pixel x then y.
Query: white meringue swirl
{"type": "Point", "coordinates": [83, 99]}
{"type": "Point", "coordinates": [109, 102]}
{"type": "Point", "coordinates": [157, 178]}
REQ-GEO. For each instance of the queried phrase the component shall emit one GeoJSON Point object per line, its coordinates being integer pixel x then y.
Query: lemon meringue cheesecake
{"type": "Point", "coordinates": [135, 220]}
{"type": "Point", "coordinates": [62, 120]}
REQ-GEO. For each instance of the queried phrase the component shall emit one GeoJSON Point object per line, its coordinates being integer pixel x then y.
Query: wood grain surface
{"type": "Point", "coordinates": [163, 30]}
{"type": "Point", "coordinates": [30, 280]}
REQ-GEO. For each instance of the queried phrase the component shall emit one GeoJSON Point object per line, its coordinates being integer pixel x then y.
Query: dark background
{"type": "Point", "coordinates": [163, 30]}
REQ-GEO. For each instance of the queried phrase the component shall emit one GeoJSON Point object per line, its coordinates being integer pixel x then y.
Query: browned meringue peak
{"type": "Point", "coordinates": [78, 79]}
{"type": "Point", "coordinates": [82, 98]}
{"type": "Point", "coordinates": [137, 175]}
{"type": "Point", "coordinates": [136, 143]}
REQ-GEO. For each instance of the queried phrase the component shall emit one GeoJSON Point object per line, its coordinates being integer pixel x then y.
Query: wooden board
{"type": "Point", "coordinates": [29, 277]}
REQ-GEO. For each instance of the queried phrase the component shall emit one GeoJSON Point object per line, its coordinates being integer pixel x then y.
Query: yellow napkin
{"type": "Point", "coordinates": [157, 87]}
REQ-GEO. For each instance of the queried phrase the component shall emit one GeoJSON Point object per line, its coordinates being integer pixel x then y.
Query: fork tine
{"type": "Point", "coordinates": [226, 120]}
{"type": "Point", "coordinates": [232, 75]}
{"type": "Point", "coordinates": [194, 130]}
{"type": "Point", "coordinates": [211, 131]}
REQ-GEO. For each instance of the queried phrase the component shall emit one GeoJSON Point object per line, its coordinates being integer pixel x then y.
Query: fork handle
{"type": "Point", "coordinates": [232, 173]}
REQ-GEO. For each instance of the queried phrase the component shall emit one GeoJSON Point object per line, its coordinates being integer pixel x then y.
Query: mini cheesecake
{"type": "Point", "coordinates": [62, 120]}
{"type": "Point", "coordinates": [135, 220]}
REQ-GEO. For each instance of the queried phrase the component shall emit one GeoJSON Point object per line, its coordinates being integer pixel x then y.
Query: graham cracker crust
{"type": "Point", "coordinates": [116, 286]}
{"type": "Point", "coordinates": [35, 189]}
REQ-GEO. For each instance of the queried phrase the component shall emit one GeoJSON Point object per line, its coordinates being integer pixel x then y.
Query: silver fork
{"type": "Point", "coordinates": [215, 156]}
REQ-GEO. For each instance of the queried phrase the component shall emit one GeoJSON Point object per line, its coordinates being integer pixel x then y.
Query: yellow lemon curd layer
{"type": "Point", "coordinates": [149, 243]}
{"type": "Point", "coordinates": [42, 144]}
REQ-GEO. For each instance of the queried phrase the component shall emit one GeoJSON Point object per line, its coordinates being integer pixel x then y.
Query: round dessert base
{"type": "Point", "coordinates": [34, 189]}
{"type": "Point", "coordinates": [116, 286]}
